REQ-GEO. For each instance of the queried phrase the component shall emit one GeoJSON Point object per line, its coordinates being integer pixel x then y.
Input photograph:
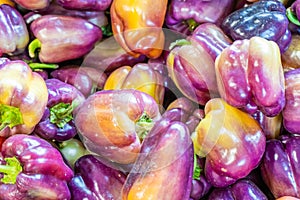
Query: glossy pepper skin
{"type": "Point", "coordinates": [140, 77]}
{"type": "Point", "coordinates": [95, 180]}
{"type": "Point", "coordinates": [14, 35]}
{"type": "Point", "coordinates": [242, 189]}
{"type": "Point", "coordinates": [164, 167]}
{"type": "Point", "coordinates": [33, 4]}
{"type": "Point", "coordinates": [137, 26]}
{"type": "Point", "coordinates": [291, 57]}
{"type": "Point", "coordinates": [280, 166]}
{"type": "Point", "coordinates": [33, 169]}
{"type": "Point", "coordinates": [265, 18]}
{"type": "Point", "coordinates": [231, 140]}
{"type": "Point", "coordinates": [291, 110]}
{"type": "Point", "coordinates": [57, 33]}
{"type": "Point", "coordinates": [91, 5]}
{"type": "Point", "coordinates": [57, 122]}
{"type": "Point", "coordinates": [185, 16]}
{"type": "Point", "coordinates": [192, 70]}
{"type": "Point", "coordinates": [23, 97]}
{"type": "Point", "coordinates": [250, 76]}
{"type": "Point", "coordinates": [112, 123]}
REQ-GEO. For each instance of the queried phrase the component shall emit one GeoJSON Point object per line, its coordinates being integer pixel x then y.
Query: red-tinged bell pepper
{"type": "Point", "coordinates": [231, 140]}
{"type": "Point", "coordinates": [112, 123]}
{"type": "Point", "coordinates": [23, 97]}
{"type": "Point", "coordinates": [54, 34]}
{"type": "Point", "coordinates": [164, 168]}
{"type": "Point", "coordinates": [14, 35]}
{"type": "Point", "coordinates": [90, 5]}
{"type": "Point", "coordinates": [33, 4]}
{"type": "Point", "coordinates": [32, 168]}
{"type": "Point", "coordinates": [250, 76]}
{"type": "Point", "coordinates": [192, 70]}
{"type": "Point", "coordinates": [140, 77]}
{"type": "Point", "coordinates": [137, 26]}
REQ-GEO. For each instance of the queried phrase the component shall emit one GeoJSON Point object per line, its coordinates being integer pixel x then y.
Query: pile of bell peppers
{"type": "Point", "coordinates": [161, 99]}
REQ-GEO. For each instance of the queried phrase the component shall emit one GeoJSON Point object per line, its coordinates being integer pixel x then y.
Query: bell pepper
{"type": "Point", "coordinates": [57, 122]}
{"type": "Point", "coordinates": [231, 140]}
{"type": "Point", "coordinates": [33, 4]}
{"type": "Point", "coordinates": [32, 169]}
{"type": "Point", "coordinates": [164, 167]}
{"type": "Point", "coordinates": [8, 2]}
{"type": "Point", "coordinates": [95, 180]}
{"type": "Point", "coordinates": [14, 34]}
{"type": "Point", "coordinates": [192, 70]}
{"type": "Point", "coordinates": [90, 5]}
{"type": "Point", "coordinates": [291, 57]}
{"type": "Point", "coordinates": [291, 110]}
{"type": "Point", "coordinates": [185, 16]}
{"type": "Point", "coordinates": [293, 12]}
{"type": "Point", "coordinates": [64, 33]}
{"type": "Point", "coordinates": [23, 98]}
{"type": "Point", "coordinates": [108, 55]}
{"type": "Point", "coordinates": [265, 18]}
{"type": "Point", "coordinates": [280, 166]}
{"type": "Point", "coordinates": [250, 76]}
{"type": "Point", "coordinates": [86, 79]}
{"type": "Point", "coordinates": [112, 123]}
{"type": "Point", "coordinates": [212, 38]}
{"type": "Point", "coordinates": [242, 189]}
{"type": "Point", "coordinates": [140, 77]}
{"type": "Point", "coordinates": [137, 26]}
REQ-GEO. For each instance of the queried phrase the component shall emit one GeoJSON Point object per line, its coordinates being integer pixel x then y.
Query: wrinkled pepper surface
{"type": "Point", "coordinates": [112, 123]}
{"type": "Point", "coordinates": [185, 16]}
{"type": "Point", "coordinates": [265, 18]}
{"type": "Point", "coordinates": [231, 140]}
{"type": "Point", "coordinates": [57, 33]}
{"type": "Point", "coordinates": [14, 35]}
{"type": "Point", "coordinates": [242, 189]}
{"type": "Point", "coordinates": [95, 180]}
{"type": "Point", "coordinates": [57, 122]}
{"type": "Point", "coordinates": [23, 98]}
{"type": "Point", "coordinates": [140, 77]}
{"type": "Point", "coordinates": [164, 167]}
{"type": "Point", "coordinates": [193, 72]}
{"type": "Point", "coordinates": [33, 169]}
{"type": "Point", "coordinates": [137, 26]}
{"type": "Point", "coordinates": [250, 76]}
{"type": "Point", "coordinates": [291, 110]}
{"type": "Point", "coordinates": [280, 168]}
{"type": "Point", "coordinates": [91, 5]}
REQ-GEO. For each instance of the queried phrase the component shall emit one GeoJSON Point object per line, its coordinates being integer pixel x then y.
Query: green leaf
{"type": "Point", "coordinates": [11, 170]}
{"type": "Point", "coordinates": [10, 116]}
{"type": "Point", "coordinates": [61, 114]}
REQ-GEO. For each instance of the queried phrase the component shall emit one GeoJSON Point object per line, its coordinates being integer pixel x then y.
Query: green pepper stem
{"type": "Point", "coordinates": [197, 169]}
{"type": "Point", "coordinates": [179, 42]}
{"type": "Point", "coordinates": [61, 114]}
{"type": "Point", "coordinates": [292, 16]}
{"type": "Point", "coordinates": [10, 116]}
{"type": "Point", "coordinates": [36, 66]}
{"type": "Point", "coordinates": [33, 46]}
{"type": "Point", "coordinates": [143, 125]}
{"type": "Point", "coordinates": [106, 30]}
{"type": "Point", "coordinates": [192, 24]}
{"type": "Point", "coordinates": [11, 170]}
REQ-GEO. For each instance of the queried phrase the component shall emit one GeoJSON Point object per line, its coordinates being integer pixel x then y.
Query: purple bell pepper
{"type": "Point", "coordinates": [94, 180]}
{"type": "Point", "coordinates": [185, 16]}
{"type": "Point", "coordinates": [54, 34]}
{"type": "Point", "coordinates": [280, 167]}
{"type": "Point", "coordinates": [33, 169]}
{"type": "Point", "coordinates": [14, 35]}
{"type": "Point", "coordinates": [265, 18]}
{"type": "Point", "coordinates": [164, 167]}
{"type": "Point", "coordinates": [242, 189]}
{"type": "Point", "coordinates": [91, 5]}
{"type": "Point", "coordinates": [57, 122]}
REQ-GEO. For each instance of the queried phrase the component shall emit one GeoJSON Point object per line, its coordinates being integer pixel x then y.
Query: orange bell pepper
{"type": "Point", "coordinates": [7, 2]}
{"type": "Point", "coordinates": [137, 26]}
{"type": "Point", "coordinates": [139, 77]}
